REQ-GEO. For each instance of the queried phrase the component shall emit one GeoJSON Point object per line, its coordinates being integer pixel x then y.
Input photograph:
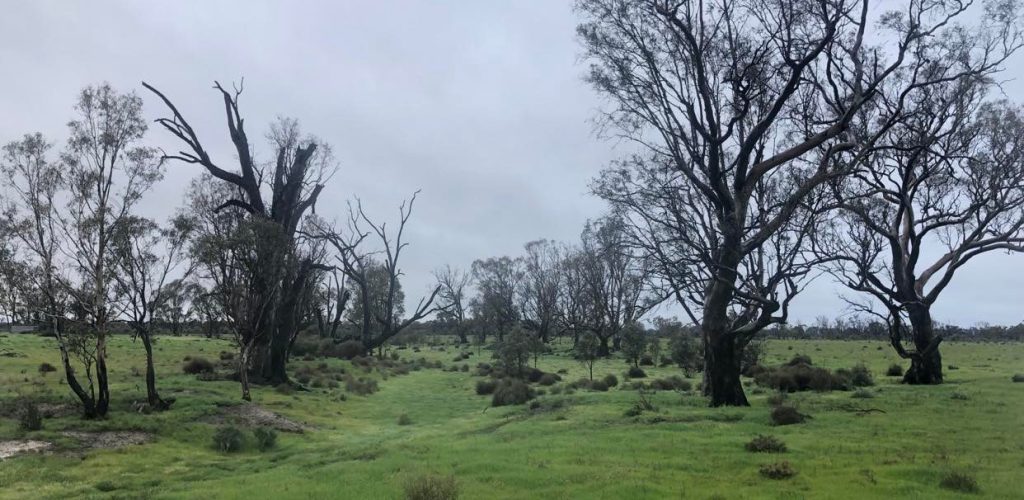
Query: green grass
{"type": "Point", "coordinates": [585, 449]}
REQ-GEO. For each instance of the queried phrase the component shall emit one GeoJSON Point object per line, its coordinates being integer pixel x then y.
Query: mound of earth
{"type": "Point", "coordinates": [9, 449]}
{"type": "Point", "coordinates": [254, 415]}
{"type": "Point", "coordinates": [109, 439]}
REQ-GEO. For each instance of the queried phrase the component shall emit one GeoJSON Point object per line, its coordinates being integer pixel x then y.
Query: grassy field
{"type": "Point", "coordinates": [573, 446]}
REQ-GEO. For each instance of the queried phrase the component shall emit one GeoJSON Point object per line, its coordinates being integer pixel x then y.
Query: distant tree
{"type": "Point", "coordinates": [452, 300]}
{"type": "Point", "coordinates": [538, 288]}
{"type": "Point", "coordinates": [514, 352]}
{"type": "Point", "coordinates": [686, 352]}
{"type": "Point", "coordinates": [634, 343]}
{"type": "Point", "coordinates": [494, 307]}
{"type": "Point", "coordinates": [331, 303]}
{"type": "Point", "coordinates": [588, 351]}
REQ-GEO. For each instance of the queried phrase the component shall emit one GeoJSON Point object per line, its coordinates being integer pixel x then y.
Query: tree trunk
{"type": "Point", "coordinates": [243, 371]}
{"type": "Point", "coordinates": [88, 405]}
{"type": "Point", "coordinates": [722, 352]}
{"type": "Point", "coordinates": [603, 350]}
{"type": "Point", "coordinates": [152, 397]}
{"type": "Point", "coordinates": [926, 361]}
{"type": "Point", "coordinates": [102, 384]}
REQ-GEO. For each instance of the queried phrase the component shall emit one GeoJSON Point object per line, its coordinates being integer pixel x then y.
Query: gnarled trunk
{"type": "Point", "coordinates": [152, 396]}
{"type": "Point", "coordinates": [723, 352]}
{"type": "Point", "coordinates": [926, 361]}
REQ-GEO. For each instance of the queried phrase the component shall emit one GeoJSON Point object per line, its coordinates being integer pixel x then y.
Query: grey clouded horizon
{"type": "Point", "coordinates": [481, 105]}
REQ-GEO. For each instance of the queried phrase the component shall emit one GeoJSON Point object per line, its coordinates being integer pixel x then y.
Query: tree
{"type": "Point", "coordinates": [538, 288]}
{"type": "Point", "coordinates": [452, 300]}
{"type": "Point", "coordinates": [514, 352]}
{"type": "Point", "coordinates": [330, 305]}
{"type": "Point", "coordinates": [494, 307]}
{"type": "Point", "coordinates": [741, 111]}
{"type": "Point", "coordinates": [108, 171]}
{"type": "Point", "coordinates": [377, 291]}
{"type": "Point", "coordinates": [588, 351]}
{"type": "Point", "coordinates": [634, 343]}
{"type": "Point", "coordinates": [294, 180]}
{"type": "Point", "coordinates": [146, 256]}
{"type": "Point", "coordinates": [949, 176]}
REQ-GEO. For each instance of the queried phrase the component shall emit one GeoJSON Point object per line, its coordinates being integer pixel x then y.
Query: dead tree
{"type": "Point", "coordinates": [452, 299]}
{"type": "Point", "coordinates": [948, 177]}
{"type": "Point", "coordinates": [741, 111]}
{"type": "Point", "coordinates": [294, 181]}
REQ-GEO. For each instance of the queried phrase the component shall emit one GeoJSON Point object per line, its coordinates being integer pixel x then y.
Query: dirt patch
{"type": "Point", "coordinates": [253, 415]}
{"type": "Point", "coordinates": [109, 439]}
{"type": "Point", "coordinates": [9, 449]}
{"type": "Point", "coordinates": [54, 410]}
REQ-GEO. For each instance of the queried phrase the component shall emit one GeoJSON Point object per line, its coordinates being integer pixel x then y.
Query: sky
{"type": "Point", "coordinates": [481, 105]}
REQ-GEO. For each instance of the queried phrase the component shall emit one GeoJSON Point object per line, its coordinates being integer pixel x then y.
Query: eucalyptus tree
{"type": "Point", "coordinates": [538, 288]}
{"type": "Point", "coordinates": [494, 307]}
{"type": "Point", "coordinates": [942, 187]}
{"type": "Point", "coordinates": [107, 170]}
{"type": "Point", "coordinates": [277, 196]}
{"type": "Point", "coordinates": [452, 300]}
{"type": "Point", "coordinates": [740, 111]}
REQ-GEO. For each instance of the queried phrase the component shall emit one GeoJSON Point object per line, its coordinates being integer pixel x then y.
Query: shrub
{"type": "Point", "coordinates": [431, 487]}
{"type": "Point", "coordinates": [197, 365]}
{"type": "Point", "coordinates": [686, 352]}
{"type": "Point", "coordinates": [777, 399]}
{"type": "Point", "coordinates": [549, 379]}
{"type": "Point", "coordinates": [636, 372]}
{"type": "Point", "coordinates": [46, 368]}
{"type": "Point", "coordinates": [646, 360]}
{"type": "Point", "coordinates": [485, 387]}
{"type": "Point", "coordinates": [511, 392]}
{"type": "Point", "coordinates": [778, 470]}
{"type": "Point", "coordinates": [799, 359]}
{"type": "Point", "coordinates": [860, 376]}
{"type": "Point", "coordinates": [752, 355]}
{"type": "Point", "coordinates": [533, 375]}
{"type": "Point", "coordinates": [1018, 377]}
{"type": "Point", "coordinates": [862, 394]}
{"type": "Point", "coordinates": [959, 481]}
{"type": "Point", "coordinates": [266, 438]}
{"type": "Point", "coordinates": [894, 370]}
{"type": "Point", "coordinates": [29, 417]}
{"type": "Point", "coordinates": [599, 385]}
{"type": "Point", "coordinates": [766, 444]}
{"type": "Point", "coordinates": [800, 376]}
{"type": "Point", "coordinates": [611, 380]}
{"type": "Point", "coordinates": [349, 349]}
{"type": "Point", "coordinates": [228, 439]}
{"type": "Point", "coordinates": [672, 383]}
{"type": "Point", "coordinates": [787, 415]}
{"type": "Point", "coordinates": [404, 419]}
{"type": "Point", "coordinates": [360, 386]}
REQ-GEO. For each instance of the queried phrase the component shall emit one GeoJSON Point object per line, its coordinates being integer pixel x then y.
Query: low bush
{"type": "Point", "coordinates": [511, 391]}
{"type": "Point", "coordinates": [549, 379]}
{"type": "Point", "coordinates": [431, 487]}
{"type": "Point", "coordinates": [29, 417]}
{"type": "Point", "coordinates": [862, 393]}
{"type": "Point", "coordinates": [349, 349]}
{"type": "Point", "coordinates": [765, 444]}
{"type": "Point", "coordinates": [803, 377]}
{"type": "Point", "coordinates": [959, 481]}
{"type": "Point", "coordinates": [360, 386]}
{"type": "Point", "coordinates": [960, 396]}
{"type": "Point", "coordinates": [266, 438]}
{"type": "Point", "coordinates": [611, 380]}
{"type": "Point", "coordinates": [860, 376]}
{"type": "Point", "coordinates": [895, 370]}
{"type": "Point", "coordinates": [636, 372]}
{"type": "Point", "coordinates": [228, 439]}
{"type": "Point", "coordinates": [404, 419]}
{"type": "Point", "coordinates": [599, 385]}
{"type": "Point", "coordinates": [227, 355]}
{"type": "Point", "coordinates": [1019, 377]}
{"type": "Point", "coordinates": [787, 415]}
{"type": "Point", "coordinates": [799, 359]}
{"type": "Point", "coordinates": [646, 360]}
{"type": "Point", "coordinates": [672, 383]}
{"type": "Point", "coordinates": [47, 368]}
{"type": "Point", "coordinates": [197, 365]}
{"type": "Point", "coordinates": [485, 387]}
{"type": "Point", "coordinates": [778, 470]}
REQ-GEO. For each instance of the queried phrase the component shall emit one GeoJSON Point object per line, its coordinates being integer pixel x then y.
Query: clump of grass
{"type": "Point", "coordinates": [766, 444]}
{"type": "Point", "coordinates": [959, 396]}
{"type": "Point", "coordinates": [196, 365]}
{"type": "Point", "coordinates": [266, 438]}
{"type": "Point", "coordinates": [959, 481]}
{"type": "Point", "coordinates": [404, 419]}
{"type": "Point", "coordinates": [778, 470]}
{"type": "Point", "coordinates": [360, 386]}
{"type": "Point", "coordinates": [862, 393]}
{"type": "Point", "coordinates": [46, 368]}
{"type": "Point", "coordinates": [895, 370]}
{"type": "Point", "coordinates": [432, 487]}
{"type": "Point", "coordinates": [787, 415]}
{"type": "Point", "coordinates": [105, 486]}
{"type": "Point", "coordinates": [228, 439]}
{"type": "Point", "coordinates": [29, 417]}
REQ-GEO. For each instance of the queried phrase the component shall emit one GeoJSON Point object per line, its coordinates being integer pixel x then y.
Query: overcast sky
{"type": "Point", "coordinates": [479, 104]}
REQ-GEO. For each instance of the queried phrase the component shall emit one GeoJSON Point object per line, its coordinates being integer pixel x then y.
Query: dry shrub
{"type": "Point", "coordinates": [778, 470]}
{"type": "Point", "coordinates": [360, 386]}
{"type": "Point", "coordinates": [787, 415]}
{"type": "Point", "coordinates": [766, 444]}
{"type": "Point", "coordinates": [960, 481]}
{"type": "Point", "coordinates": [549, 379]}
{"type": "Point", "coordinates": [196, 365]}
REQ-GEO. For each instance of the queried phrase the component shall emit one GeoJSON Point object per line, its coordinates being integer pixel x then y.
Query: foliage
{"type": "Point", "coordinates": [778, 470]}
{"type": "Point", "coordinates": [636, 372]}
{"type": "Point", "coordinates": [765, 444]}
{"type": "Point", "coordinates": [611, 380]}
{"type": "Point", "coordinates": [266, 438]}
{"type": "Point", "coordinates": [686, 353]}
{"type": "Point", "coordinates": [432, 487]}
{"type": "Point", "coordinates": [228, 439]}
{"type": "Point", "coordinates": [197, 365]}
{"type": "Point", "coordinates": [486, 386]}
{"type": "Point", "coordinates": [787, 415]}
{"type": "Point", "coordinates": [634, 342]}
{"type": "Point", "coordinates": [588, 351]}
{"type": "Point", "coordinates": [511, 391]}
